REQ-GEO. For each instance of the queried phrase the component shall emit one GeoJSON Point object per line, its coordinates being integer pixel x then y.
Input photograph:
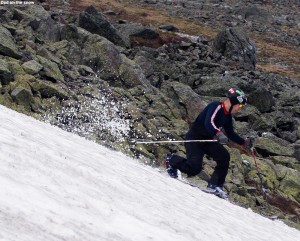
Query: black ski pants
{"type": "Point", "coordinates": [192, 164]}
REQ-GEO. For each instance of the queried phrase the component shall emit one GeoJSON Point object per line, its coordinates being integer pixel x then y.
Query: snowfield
{"type": "Point", "coordinates": [57, 186]}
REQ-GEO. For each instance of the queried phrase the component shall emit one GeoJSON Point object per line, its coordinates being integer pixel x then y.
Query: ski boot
{"type": "Point", "coordinates": [216, 190]}
{"type": "Point", "coordinates": [170, 169]}
{"type": "Point", "coordinates": [221, 193]}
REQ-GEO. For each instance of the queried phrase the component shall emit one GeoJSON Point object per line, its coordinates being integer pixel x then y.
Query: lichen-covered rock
{"type": "Point", "coordinates": [287, 161]}
{"type": "Point", "coordinates": [21, 92]}
{"type": "Point", "coordinates": [15, 66]}
{"type": "Point", "coordinates": [267, 147]}
{"type": "Point", "coordinates": [50, 69]}
{"type": "Point", "coordinates": [189, 102]}
{"type": "Point", "coordinates": [131, 74]}
{"type": "Point", "coordinates": [48, 89]}
{"type": "Point", "coordinates": [289, 182]}
{"type": "Point", "coordinates": [262, 123]}
{"type": "Point", "coordinates": [32, 67]}
{"type": "Point", "coordinates": [102, 56]}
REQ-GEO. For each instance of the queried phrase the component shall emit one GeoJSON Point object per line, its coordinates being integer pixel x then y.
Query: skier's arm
{"type": "Point", "coordinates": [209, 122]}
{"type": "Point", "coordinates": [232, 135]}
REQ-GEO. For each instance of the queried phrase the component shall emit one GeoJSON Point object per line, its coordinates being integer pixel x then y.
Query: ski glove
{"type": "Point", "coordinates": [222, 138]}
{"type": "Point", "coordinates": [249, 142]}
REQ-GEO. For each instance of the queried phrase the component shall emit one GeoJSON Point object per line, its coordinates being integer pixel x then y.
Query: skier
{"type": "Point", "coordinates": [207, 125]}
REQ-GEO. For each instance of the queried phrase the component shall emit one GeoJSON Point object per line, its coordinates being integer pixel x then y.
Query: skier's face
{"type": "Point", "coordinates": [236, 108]}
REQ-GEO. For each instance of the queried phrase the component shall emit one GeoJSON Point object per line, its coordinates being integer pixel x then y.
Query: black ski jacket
{"type": "Point", "coordinates": [210, 120]}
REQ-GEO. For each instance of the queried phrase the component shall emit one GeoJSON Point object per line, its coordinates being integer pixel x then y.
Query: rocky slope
{"type": "Point", "coordinates": [98, 72]}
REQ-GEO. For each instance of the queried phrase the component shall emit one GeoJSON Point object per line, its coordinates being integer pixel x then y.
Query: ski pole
{"type": "Point", "coordinates": [259, 174]}
{"type": "Point", "coordinates": [176, 141]}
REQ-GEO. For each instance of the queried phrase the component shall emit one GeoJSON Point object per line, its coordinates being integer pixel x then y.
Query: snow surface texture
{"type": "Point", "coordinates": [55, 185]}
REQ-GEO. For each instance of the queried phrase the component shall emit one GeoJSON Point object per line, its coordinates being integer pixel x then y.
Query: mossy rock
{"type": "Point", "coordinates": [130, 73]}
{"type": "Point", "coordinates": [21, 94]}
{"type": "Point", "coordinates": [15, 66]}
{"type": "Point", "coordinates": [161, 105]}
{"type": "Point", "coordinates": [263, 123]}
{"type": "Point", "coordinates": [267, 146]}
{"type": "Point", "coordinates": [48, 89]}
{"type": "Point", "coordinates": [51, 69]}
{"type": "Point", "coordinates": [287, 161]}
{"type": "Point", "coordinates": [24, 78]}
{"type": "Point", "coordinates": [102, 56]}
{"type": "Point", "coordinates": [6, 100]}
{"type": "Point", "coordinates": [32, 67]}
{"type": "Point", "coordinates": [290, 182]}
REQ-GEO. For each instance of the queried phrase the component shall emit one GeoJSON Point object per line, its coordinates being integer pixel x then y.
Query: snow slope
{"type": "Point", "coordinates": [57, 186]}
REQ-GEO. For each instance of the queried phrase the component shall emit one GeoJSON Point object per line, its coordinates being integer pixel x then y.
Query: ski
{"type": "Point", "coordinates": [203, 189]}
{"type": "Point", "coordinates": [173, 173]}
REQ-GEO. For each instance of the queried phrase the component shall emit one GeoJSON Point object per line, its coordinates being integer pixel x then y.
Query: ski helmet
{"type": "Point", "coordinates": [236, 96]}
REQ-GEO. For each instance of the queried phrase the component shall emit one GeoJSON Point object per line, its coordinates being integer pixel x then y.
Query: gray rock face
{"type": "Point", "coordinates": [235, 44]}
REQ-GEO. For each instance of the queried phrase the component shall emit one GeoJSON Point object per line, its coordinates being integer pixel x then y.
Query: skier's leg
{"type": "Point", "coordinates": [219, 153]}
{"type": "Point", "coordinates": [192, 165]}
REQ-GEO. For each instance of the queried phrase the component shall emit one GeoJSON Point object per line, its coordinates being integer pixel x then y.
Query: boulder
{"type": "Point", "coordinates": [145, 64]}
{"type": "Point", "coordinates": [219, 85]}
{"type": "Point", "coordinates": [32, 67]}
{"type": "Point", "coordinates": [49, 30]}
{"type": "Point", "coordinates": [138, 35]}
{"type": "Point", "coordinates": [268, 147]}
{"type": "Point", "coordinates": [287, 161]}
{"type": "Point", "coordinates": [48, 89]}
{"type": "Point", "coordinates": [234, 44]}
{"type": "Point", "coordinates": [21, 92]}
{"type": "Point", "coordinates": [31, 11]}
{"type": "Point", "coordinates": [262, 99]}
{"type": "Point", "coordinates": [290, 182]}
{"type": "Point", "coordinates": [102, 56]}
{"type": "Point", "coordinates": [96, 23]}
{"type": "Point", "coordinates": [15, 66]}
{"type": "Point", "coordinates": [262, 122]}
{"type": "Point", "coordinates": [5, 75]}
{"type": "Point", "coordinates": [190, 103]}
{"type": "Point", "coordinates": [73, 33]}
{"type": "Point", "coordinates": [50, 69]}
{"type": "Point", "coordinates": [131, 74]}
{"type": "Point", "coordinates": [7, 44]}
